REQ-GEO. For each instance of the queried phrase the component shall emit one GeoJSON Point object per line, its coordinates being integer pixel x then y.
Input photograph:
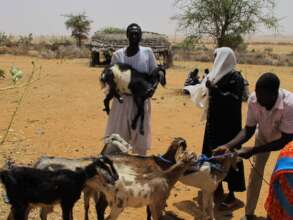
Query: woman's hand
{"type": "Point", "coordinates": [209, 84]}
{"type": "Point", "coordinates": [245, 152]}
{"type": "Point", "coordinates": [221, 150]}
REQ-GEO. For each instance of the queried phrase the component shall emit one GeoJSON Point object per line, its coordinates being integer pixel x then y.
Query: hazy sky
{"type": "Point", "coordinates": [43, 17]}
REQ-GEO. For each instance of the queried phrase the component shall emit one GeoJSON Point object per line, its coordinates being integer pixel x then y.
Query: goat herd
{"type": "Point", "coordinates": [115, 178]}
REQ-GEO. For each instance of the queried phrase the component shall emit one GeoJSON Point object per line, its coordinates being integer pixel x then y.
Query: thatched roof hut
{"type": "Point", "coordinates": [104, 44]}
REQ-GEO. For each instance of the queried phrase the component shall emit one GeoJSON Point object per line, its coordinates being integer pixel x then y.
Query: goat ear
{"type": "Point", "coordinates": [182, 143]}
{"type": "Point", "coordinates": [78, 169]}
{"type": "Point", "coordinates": [106, 159]}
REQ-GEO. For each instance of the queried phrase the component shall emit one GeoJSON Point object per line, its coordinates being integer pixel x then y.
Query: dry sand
{"type": "Point", "coordinates": [61, 115]}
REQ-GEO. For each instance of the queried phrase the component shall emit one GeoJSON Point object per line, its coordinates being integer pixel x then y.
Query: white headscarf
{"type": "Point", "coordinates": [224, 63]}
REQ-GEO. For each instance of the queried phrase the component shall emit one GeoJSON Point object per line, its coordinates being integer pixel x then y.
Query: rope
{"type": "Point", "coordinates": [203, 158]}
{"type": "Point", "coordinates": [258, 173]}
{"type": "Point", "coordinates": [165, 160]}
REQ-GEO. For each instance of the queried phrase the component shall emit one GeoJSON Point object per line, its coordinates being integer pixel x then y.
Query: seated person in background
{"type": "Point", "coordinates": [191, 80]}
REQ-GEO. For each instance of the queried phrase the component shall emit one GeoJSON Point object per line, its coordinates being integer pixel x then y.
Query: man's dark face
{"type": "Point", "coordinates": [134, 35]}
{"type": "Point", "coordinates": [266, 98]}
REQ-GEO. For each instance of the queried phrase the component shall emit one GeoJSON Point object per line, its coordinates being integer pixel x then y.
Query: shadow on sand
{"type": "Point", "coordinates": [193, 209]}
{"type": "Point", "coordinates": [169, 215]}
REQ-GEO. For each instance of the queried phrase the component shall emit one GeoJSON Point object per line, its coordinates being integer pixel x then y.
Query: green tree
{"type": "Point", "coordinates": [225, 20]}
{"type": "Point", "coordinates": [79, 25]}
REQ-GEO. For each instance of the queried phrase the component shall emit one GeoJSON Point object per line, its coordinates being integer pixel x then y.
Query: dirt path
{"type": "Point", "coordinates": [61, 115]}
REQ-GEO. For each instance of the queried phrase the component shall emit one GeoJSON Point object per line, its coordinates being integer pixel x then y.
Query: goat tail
{"type": "Point", "coordinates": [104, 138]}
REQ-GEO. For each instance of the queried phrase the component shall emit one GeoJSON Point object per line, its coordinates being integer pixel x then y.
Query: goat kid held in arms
{"type": "Point", "coordinates": [28, 187]}
{"type": "Point", "coordinates": [121, 115]}
{"type": "Point", "coordinates": [123, 79]}
{"type": "Point", "coordinates": [270, 112]}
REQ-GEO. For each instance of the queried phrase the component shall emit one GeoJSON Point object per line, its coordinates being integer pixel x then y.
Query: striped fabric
{"type": "Point", "coordinates": [279, 204]}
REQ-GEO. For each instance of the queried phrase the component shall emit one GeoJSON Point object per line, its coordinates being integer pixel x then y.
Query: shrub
{"type": "Point", "coordinates": [2, 73]}
{"type": "Point", "coordinates": [3, 38]}
{"type": "Point", "coordinates": [47, 53]}
{"type": "Point", "coordinates": [25, 41]}
{"type": "Point", "coordinates": [235, 42]}
{"type": "Point", "coordinates": [72, 52]}
{"type": "Point", "coordinates": [113, 30]}
{"type": "Point", "coordinates": [268, 50]}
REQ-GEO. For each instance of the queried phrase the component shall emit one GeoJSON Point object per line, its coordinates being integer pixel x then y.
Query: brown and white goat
{"type": "Point", "coordinates": [141, 184]}
{"type": "Point", "coordinates": [203, 177]}
{"type": "Point", "coordinates": [145, 164]}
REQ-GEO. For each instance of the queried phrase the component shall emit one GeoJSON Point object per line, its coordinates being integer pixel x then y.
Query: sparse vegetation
{"type": "Point", "coordinates": [192, 49]}
{"type": "Point", "coordinates": [244, 57]}
{"type": "Point", "coordinates": [25, 41]}
{"type": "Point", "coordinates": [2, 74]}
{"type": "Point", "coordinates": [42, 46]}
{"type": "Point", "coordinates": [16, 74]}
{"type": "Point", "coordinates": [113, 30]}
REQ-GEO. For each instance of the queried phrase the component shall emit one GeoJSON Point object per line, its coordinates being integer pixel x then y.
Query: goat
{"type": "Point", "coordinates": [202, 176]}
{"type": "Point", "coordinates": [27, 187]}
{"type": "Point", "coordinates": [140, 185]}
{"type": "Point", "coordinates": [143, 165]}
{"type": "Point", "coordinates": [123, 79]}
{"type": "Point", "coordinates": [114, 144]}
{"type": "Point", "coordinates": [207, 179]}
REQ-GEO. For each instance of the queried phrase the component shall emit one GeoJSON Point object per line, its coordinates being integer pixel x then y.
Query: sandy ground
{"type": "Point", "coordinates": [61, 115]}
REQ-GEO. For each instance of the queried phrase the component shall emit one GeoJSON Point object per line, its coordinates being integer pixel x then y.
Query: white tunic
{"type": "Point", "coordinates": [122, 114]}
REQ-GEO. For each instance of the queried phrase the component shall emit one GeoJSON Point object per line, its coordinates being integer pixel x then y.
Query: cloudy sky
{"type": "Point", "coordinates": [44, 17]}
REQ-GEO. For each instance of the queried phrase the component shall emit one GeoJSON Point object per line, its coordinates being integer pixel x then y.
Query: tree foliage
{"type": "Point", "coordinates": [79, 25]}
{"type": "Point", "coordinates": [25, 41]}
{"type": "Point", "coordinates": [224, 19]}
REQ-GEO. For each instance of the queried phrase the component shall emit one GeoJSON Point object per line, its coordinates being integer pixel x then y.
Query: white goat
{"type": "Point", "coordinates": [208, 180]}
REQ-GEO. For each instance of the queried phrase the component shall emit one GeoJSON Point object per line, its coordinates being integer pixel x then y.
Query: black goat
{"type": "Point", "coordinates": [123, 79]}
{"type": "Point", "coordinates": [27, 187]}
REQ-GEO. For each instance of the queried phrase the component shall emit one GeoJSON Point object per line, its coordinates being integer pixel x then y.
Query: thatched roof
{"type": "Point", "coordinates": [101, 40]}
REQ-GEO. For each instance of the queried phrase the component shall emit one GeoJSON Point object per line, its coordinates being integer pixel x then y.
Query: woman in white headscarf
{"type": "Point", "coordinates": [220, 94]}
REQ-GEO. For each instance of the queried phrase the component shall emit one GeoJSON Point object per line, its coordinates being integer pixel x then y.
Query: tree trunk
{"type": "Point", "coordinates": [78, 42]}
{"type": "Point", "coordinates": [220, 42]}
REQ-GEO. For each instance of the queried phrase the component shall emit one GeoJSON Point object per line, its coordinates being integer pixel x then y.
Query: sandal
{"type": "Point", "coordinates": [229, 202]}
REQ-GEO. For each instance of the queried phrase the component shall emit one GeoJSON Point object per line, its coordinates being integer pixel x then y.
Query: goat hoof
{"type": "Point", "coordinates": [107, 111]}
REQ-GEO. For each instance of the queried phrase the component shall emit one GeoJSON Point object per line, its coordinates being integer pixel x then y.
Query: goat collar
{"type": "Point", "coordinates": [165, 160]}
{"type": "Point", "coordinates": [203, 158]}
